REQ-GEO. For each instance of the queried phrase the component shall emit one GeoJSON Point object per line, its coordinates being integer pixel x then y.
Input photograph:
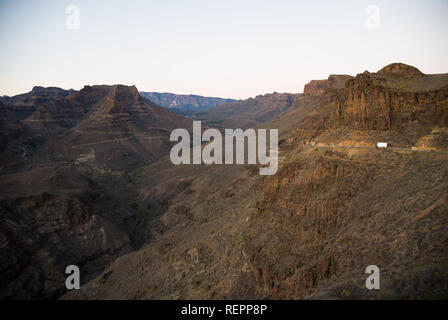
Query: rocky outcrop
{"type": "Point", "coordinates": [337, 216]}
{"type": "Point", "coordinates": [319, 87]}
{"type": "Point", "coordinates": [114, 123]}
{"type": "Point", "coordinates": [315, 87]}
{"type": "Point", "coordinates": [21, 106]}
{"type": "Point", "coordinates": [37, 96]}
{"type": "Point", "coordinates": [392, 99]}
{"type": "Point", "coordinates": [400, 70]}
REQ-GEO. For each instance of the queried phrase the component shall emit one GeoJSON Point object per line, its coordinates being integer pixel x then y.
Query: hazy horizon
{"type": "Point", "coordinates": [229, 50]}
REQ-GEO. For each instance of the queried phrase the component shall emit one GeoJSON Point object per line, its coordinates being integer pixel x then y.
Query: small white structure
{"type": "Point", "coordinates": [381, 145]}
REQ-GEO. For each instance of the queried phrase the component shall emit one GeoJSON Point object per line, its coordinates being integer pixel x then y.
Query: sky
{"type": "Point", "coordinates": [230, 49]}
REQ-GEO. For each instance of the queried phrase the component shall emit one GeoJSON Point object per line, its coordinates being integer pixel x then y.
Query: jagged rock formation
{"type": "Point", "coordinates": [334, 81]}
{"type": "Point", "coordinates": [400, 70]}
{"type": "Point", "coordinates": [114, 124]}
{"type": "Point", "coordinates": [395, 97]}
{"type": "Point", "coordinates": [338, 215]}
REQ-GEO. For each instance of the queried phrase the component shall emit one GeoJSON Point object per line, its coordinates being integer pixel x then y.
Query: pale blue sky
{"type": "Point", "coordinates": [234, 49]}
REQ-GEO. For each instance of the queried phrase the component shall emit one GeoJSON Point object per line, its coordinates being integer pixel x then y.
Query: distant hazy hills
{"type": "Point", "coordinates": [215, 112]}
{"type": "Point", "coordinates": [22, 105]}
{"type": "Point", "coordinates": [246, 113]}
{"type": "Point", "coordinates": [225, 113]}
{"type": "Point", "coordinates": [184, 102]}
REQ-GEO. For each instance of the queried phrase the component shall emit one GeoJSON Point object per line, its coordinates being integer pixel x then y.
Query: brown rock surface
{"type": "Point", "coordinates": [334, 81]}
{"type": "Point", "coordinates": [52, 217]}
{"type": "Point", "coordinates": [21, 106]}
{"type": "Point", "coordinates": [335, 206]}
{"type": "Point", "coordinates": [65, 195]}
{"type": "Point", "coordinates": [395, 97]}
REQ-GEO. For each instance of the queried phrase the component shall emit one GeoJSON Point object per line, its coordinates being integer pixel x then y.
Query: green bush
{"type": "Point", "coordinates": [195, 284]}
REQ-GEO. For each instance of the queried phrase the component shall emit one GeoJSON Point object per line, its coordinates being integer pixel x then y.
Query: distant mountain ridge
{"type": "Point", "coordinates": [246, 113]}
{"type": "Point", "coordinates": [22, 105]}
{"type": "Point", "coordinates": [183, 101]}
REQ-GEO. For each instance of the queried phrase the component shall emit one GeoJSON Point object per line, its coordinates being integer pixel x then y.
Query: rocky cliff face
{"type": "Point", "coordinates": [66, 196]}
{"type": "Point", "coordinates": [318, 87]}
{"type": "Point", "coordinates": [393, 98]}
{"type": "Point", "coordinates": [315, 87]}
{"type": "Point", "coordinates": [52, 217]}
{"type": "Point", "coordinates": [337, 214]}
{"type": "Point", "coordinates": [109, 125]}
{"type": "Point", "coordinates": [337, 204]}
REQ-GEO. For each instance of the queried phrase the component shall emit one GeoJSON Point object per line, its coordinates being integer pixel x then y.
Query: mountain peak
{"type": "Point", "coordinates": [400, 69]}
{"type": "Point", "coordinates": [39, 91]}
{"type": "Point", "coordinates": [113, 88]}
{"type": "Point", "coordinates": [123, 93]}
{"type": "Point", "coordinates": [120, 89]}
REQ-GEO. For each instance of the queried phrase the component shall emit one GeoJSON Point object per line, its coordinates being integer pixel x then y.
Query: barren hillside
{"type": "Point", "coordinates": [336, 205]}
